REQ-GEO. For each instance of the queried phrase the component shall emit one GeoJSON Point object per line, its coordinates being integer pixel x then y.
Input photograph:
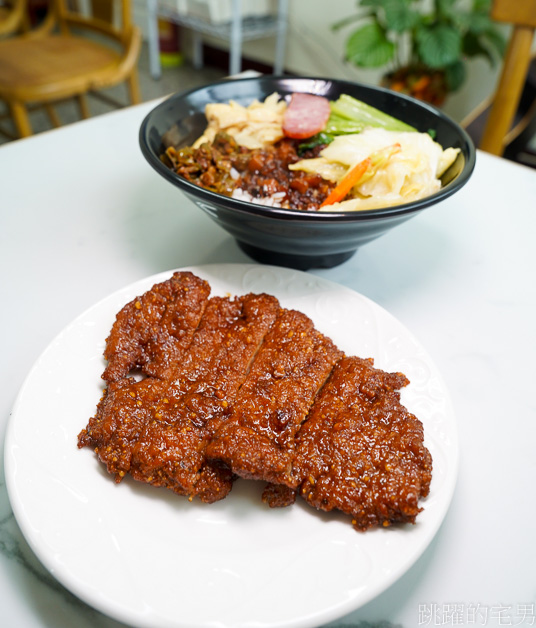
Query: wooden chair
{"type": "Point", "coordinates": [13, 19]}
{"type": "Point", "coordinates": [522, 15]}
{"type": "Point", "coordinates": [68, 56]}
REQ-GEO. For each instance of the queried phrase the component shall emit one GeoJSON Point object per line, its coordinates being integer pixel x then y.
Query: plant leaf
{"type": "Point", "coordinates": [439, 45]}
{"type": "Point", "coordinates": [496, 39]}
{"type": "Point", "coordinates": [349, 20]}
{"type": "Point", "coordinates": [461, 21]}
{"type": "Point", "coordinates": [370, 3]}
{"type": "Point", "coordinates": [482, 5]}
{"type": "Point", "coordinates": [472, 47]}
{"type": "Point", "coordinates": [445, 7]}
{"type": "Point", "coordinates": [455, 75]}
{"type": "Point", "coordinates": [368, 47]}
{"type": "Point", "coordinates": [399, 17]}
{"type": "Point", "coordinates": [478, 22]}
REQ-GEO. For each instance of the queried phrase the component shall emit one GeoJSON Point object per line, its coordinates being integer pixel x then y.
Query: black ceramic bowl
{"type": "Point", "coordinates": [289, 237]}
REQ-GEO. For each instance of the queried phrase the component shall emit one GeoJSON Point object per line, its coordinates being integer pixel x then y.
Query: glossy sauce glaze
{"type": "Point", "coordinates": [242, 387]}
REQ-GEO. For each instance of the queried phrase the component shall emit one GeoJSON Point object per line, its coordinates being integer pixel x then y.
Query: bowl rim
{"type": "Point", "coordinates": [266, 211]}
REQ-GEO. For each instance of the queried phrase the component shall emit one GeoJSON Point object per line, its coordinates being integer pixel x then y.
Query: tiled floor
{"type": "Point", "coordinates": [172, 80]}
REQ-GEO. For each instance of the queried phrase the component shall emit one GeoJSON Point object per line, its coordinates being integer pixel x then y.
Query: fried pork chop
{"type": "Point", "coordinates": [157, 429]}
{"type": "Point", "coordinates": [360, 450]}
{"type": "Point", "coordinates": [243, 387]}
{"type": "Point", "coordinates": [172, 446]}
{"type": "Point", "coordinates": [152, 331]}
{"type": "Point", "coordinates": [257, 438]}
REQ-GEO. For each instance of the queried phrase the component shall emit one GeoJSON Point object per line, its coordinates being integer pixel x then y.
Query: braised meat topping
{"type": "Point", "coordinates": [262, 173]}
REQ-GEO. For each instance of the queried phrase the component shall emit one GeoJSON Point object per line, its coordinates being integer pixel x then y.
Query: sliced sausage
{"type": "Point", "coordinates": [305, 115]}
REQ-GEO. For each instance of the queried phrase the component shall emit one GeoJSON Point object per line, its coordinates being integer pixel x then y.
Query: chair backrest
{"type": "Point", "coordinates": [521, 14]}
{"type": "Point", "coordinates": [109, 17]}
{"type": "Point", "coordinates": [112, 18]}
{"type": "Point", "coordinates": [13, 18]}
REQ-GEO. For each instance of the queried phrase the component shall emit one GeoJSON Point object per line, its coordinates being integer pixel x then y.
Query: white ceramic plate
{"type": "Point", "coordinates": [153, 559]}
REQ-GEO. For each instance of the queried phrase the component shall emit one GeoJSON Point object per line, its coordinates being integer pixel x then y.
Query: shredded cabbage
{"type": "Point", "coordinates": [407, 175]}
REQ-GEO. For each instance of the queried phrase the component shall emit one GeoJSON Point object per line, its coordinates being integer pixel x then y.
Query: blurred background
{"type": "Point", "coordinates": [189, 43]}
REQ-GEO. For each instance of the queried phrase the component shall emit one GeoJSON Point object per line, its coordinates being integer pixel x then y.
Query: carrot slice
{"type": "Point", "coordinates": [351, 178]}
{"type": "Point", "coordinates": [364, 169]}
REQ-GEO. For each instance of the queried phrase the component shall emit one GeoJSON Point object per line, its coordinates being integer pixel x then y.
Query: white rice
{"type": "Point", "coordinates": [271, 201]}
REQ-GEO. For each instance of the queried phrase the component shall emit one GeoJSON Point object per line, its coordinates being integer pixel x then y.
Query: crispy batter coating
{"type": "Point", "coordinates": [172, 446]}
{"type": "Point", "coordinates": [257, 439]}
{"type": "Point", "coordinates": [152, 331]}
{"type": "Point", "coordinates": [157, 429]}
{"type": "Point", "coordinates": [278, 495]}
{"type": "Point", "coordinates": [361, 451]}
{"type": "Point", "coordinates": [243, 387]}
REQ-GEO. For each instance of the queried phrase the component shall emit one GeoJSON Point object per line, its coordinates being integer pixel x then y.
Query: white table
{"type": "Point", "coordinates": [82, 214]}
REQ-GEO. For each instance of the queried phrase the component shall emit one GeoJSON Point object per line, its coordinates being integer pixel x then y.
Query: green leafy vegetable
{"type": "Point", "coordinates": [350, 115]}
{"type": "Point", "coordinates": [319, 139]}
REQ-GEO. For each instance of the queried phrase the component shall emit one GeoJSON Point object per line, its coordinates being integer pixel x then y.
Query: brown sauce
{"type": "Point", "coordinates": [224, 166]}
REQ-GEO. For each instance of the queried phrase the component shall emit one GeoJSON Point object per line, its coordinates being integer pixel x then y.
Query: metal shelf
{"type": "Point", "coordinates": [236, 31]}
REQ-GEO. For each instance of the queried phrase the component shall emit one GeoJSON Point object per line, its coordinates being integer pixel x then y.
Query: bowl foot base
{"type": "Point", "coordinates": [299, 262]}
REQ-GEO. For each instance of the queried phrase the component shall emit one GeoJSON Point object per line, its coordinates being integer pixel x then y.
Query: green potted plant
{"type": "Point", "coordinates": [423, 45]}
